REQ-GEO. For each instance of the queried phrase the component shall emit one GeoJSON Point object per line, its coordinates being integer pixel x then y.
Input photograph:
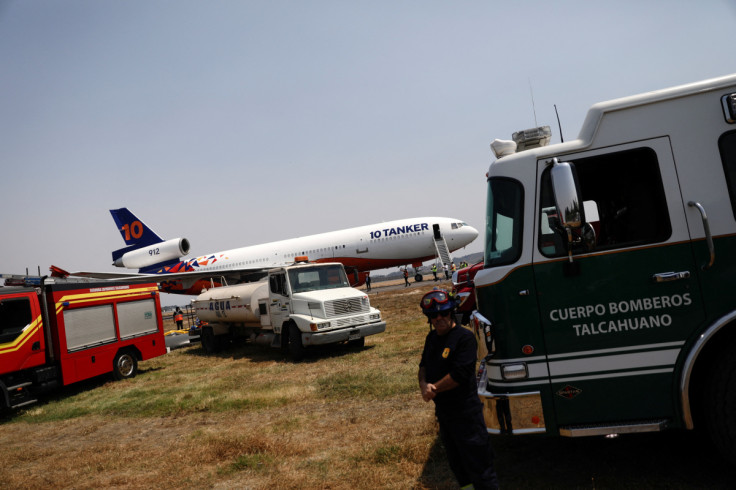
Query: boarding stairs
{"type": "Point", "coordinates": [443, 252]}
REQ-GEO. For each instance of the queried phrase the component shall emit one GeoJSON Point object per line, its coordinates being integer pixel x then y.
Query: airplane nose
{"type": "Point", "coordinates": [470, 233]}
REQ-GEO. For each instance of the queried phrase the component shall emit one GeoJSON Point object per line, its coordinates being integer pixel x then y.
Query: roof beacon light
{"type": "Point", "coordinates": [522, 140]}
{"type": "Point", "coordinates": [532, 138]}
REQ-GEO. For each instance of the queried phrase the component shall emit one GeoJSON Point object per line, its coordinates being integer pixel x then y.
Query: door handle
{"type": "Point", "coordinates": [671, 276]}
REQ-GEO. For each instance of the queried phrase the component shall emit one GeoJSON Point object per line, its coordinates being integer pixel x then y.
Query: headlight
{"type": "Point", "coordinates": [462, 298]}
{"type": "Point", "coordinates": [319, 326]}
{"type": "Point", "coordinates": [514, 371]}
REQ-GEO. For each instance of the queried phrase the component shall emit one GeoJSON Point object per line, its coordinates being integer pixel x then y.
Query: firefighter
{"type": "Point", "coordinates": [447, 376]}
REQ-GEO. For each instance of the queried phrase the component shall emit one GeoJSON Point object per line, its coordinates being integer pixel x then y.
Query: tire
{"type": "Point", "coordinates": [296, 348]}
{"type": "Point", "coordinates": [284, 340]}
{"type": "Point", "coordinates": [210, 343]}
{"type": "Point", "coordinates": [124, 366]}
{"type": "Point", "coordinates": [418, 278]}
{"type": "Point", "coordinates": [720, 402]}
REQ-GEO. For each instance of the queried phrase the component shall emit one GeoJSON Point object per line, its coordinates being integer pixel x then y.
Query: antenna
{"type": "Point", "coordinates": [534, 109]}
{"type": "Point", "coordinates": [562, 140]}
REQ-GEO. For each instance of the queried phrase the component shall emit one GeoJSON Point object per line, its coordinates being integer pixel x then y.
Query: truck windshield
{"type": "Point", "coordinates": [319, 277]}
{"type": "Point", "coordinates": [503, 222]}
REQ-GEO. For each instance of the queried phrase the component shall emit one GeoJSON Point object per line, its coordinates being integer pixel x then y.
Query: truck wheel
{"type": "Point", "coordinates": [124, 366]}
{"type": "Point", "coordinates": [210, 343]}
{"type": "Point", "coordinates": [296, 348]}
{"type": "Point", "coordinates": [720, 402]}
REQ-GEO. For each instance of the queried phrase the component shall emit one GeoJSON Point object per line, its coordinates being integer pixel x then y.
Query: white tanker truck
{"type": "Point", "coordinates": [292, 308]}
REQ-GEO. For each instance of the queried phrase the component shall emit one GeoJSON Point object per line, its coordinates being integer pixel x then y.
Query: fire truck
{"type": "Point", "coordinates": [56, 331]}
{"type": "Point", "coordinates": [606, 300]}
{"type": "Point", "coordinates": [463, 288]}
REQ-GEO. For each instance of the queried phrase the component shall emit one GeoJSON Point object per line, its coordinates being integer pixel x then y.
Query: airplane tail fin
{"type": "Point", "coordinates": [134, 231]}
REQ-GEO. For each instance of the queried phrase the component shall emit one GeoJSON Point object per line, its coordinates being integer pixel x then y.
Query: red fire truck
{"type": "Point", "coordinates": [55, 331]}
{"type": "Point", "coordinates": [463, 288]}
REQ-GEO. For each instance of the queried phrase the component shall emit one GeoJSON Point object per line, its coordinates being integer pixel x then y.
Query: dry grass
{"type": "Point", "coordinates": [341, 419]}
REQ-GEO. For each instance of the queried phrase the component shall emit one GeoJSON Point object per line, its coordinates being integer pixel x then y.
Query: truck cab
{"type": "Point", "coordinates": [22, 343]}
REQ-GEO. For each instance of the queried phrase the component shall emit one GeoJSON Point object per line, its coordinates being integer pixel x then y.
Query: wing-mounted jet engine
{"type": "Point", "coordinates": [158, 254]}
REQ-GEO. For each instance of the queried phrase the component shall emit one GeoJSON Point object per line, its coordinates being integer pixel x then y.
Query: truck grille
{"type": "Point", "coordinates": [349, 306]}
{"type": "Point", "coordinates": [350, 321]}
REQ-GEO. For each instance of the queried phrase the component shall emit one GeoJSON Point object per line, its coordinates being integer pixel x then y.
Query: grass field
{"type": "Point", "coordinates": [343, 418]}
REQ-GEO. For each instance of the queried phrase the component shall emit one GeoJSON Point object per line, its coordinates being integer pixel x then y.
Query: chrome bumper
{"type": "Point", "coordinates": [517, 413]}
{"type": "Point", "coordinates": [344, 334]}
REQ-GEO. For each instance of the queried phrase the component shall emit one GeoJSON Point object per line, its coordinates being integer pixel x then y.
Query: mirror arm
{"type": "Point", "coordinates": [569, 244]}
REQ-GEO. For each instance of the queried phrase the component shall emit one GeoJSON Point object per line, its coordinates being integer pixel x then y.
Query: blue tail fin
{"type": "Point", "coordinates": [134, 231]}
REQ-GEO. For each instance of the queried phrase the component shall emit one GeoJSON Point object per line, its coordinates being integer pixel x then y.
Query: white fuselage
{"type": "Point", "coordinates": [369, 247]}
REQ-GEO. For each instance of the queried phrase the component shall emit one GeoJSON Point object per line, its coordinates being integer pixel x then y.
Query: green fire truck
{"type": "Point", "coordinates": [606, 300]}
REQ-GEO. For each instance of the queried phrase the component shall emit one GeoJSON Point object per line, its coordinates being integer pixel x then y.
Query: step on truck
{"type": "Point", "coordinates": [292, 308]}
{"type": "Point", "coordinates": [606, 299]}
{"type": "Point", "coordinates": [54, 332]}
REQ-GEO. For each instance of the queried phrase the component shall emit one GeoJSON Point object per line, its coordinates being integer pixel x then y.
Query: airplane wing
{"type": "Point", "coordinates": [191, 283]}
{"type": "Point", "coordinates": [235, 275]}
{"type": "Point", "coordinates": [112, 276]}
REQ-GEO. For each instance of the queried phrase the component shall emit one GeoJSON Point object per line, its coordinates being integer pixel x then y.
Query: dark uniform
{"type": "Point", "coordinates": [459, 410]}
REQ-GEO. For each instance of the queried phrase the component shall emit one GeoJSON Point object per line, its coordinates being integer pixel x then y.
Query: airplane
{"type": "Point", "coordinates": [360, 250]}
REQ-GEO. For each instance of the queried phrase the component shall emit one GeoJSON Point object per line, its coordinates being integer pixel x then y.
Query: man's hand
{"type": "Point", "coordinates": [429, 391]}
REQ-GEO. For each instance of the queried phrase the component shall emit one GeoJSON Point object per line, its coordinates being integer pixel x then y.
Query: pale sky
{"type": "Point", "coordinates": [234, 123]}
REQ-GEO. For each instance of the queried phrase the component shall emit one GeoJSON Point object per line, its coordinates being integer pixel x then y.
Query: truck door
{"type": "Point", "coordinates": [614, 323]}
{"type": "Point", "coordinates": [21, 332]}
{"type": "Point", "coordinates": [278, 296]}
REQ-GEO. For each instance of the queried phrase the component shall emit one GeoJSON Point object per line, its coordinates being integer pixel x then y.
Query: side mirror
{"type": "Point", "coordinates": [569, 208]}
{"type": "Point", "coordinates": [566, 195]}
